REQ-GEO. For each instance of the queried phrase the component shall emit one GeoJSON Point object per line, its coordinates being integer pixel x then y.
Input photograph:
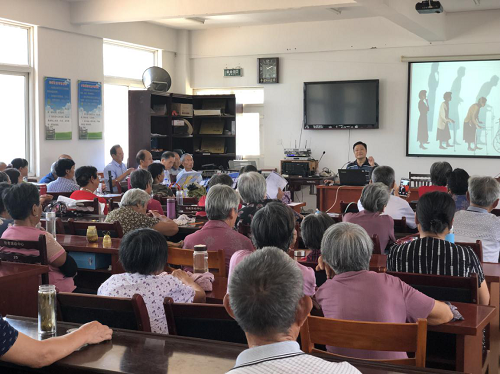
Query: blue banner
{"type": "Point", "coordinates": [57, 109]}
{"type": "Point", "coordinates": [89, 110]}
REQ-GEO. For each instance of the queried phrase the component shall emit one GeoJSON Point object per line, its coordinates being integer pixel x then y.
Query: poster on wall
{"type": "Point", "coordinates": [89, 110]}
{"type": "Point", "coordinates": [57, 108]}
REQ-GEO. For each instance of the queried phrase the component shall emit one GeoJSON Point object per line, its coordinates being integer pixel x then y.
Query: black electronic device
{"type": "Point", "coordinates": [429, 7]}
{"type": "Point", "coordinates": [354, 177]}
{"type": "Point", "coordinates": [304, 168]}
{"type": "Point", "coordinates": [404, 187]}
{"type": "Point", "coordinates": [341, 105]}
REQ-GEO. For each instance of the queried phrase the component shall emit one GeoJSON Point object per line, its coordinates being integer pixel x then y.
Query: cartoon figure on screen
{"type": "Point", "coordinates": [484, 91]}
{"type": "Point", "coordinates": [423, 108]}
{"type": "Point", "coordinates": [455, 90]}
{"type": "Point", "coordinates": [443, 131]}
{"type": "Point", "coordinates": [433, 83]}
{"type": "Point", "coordinates": [472, 123]}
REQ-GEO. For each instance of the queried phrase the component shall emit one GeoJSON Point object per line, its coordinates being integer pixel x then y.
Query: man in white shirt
{"type": "Point", "coordinates": [117, 168]}
{"type": "Point", "coordinates": [397, 207]}
{"type": "Point", "coordinates": [167, 159]}
{"type": "Point", "coordinates": [477, 222]}
{"type": "Point", "coordinates": [271, 312]}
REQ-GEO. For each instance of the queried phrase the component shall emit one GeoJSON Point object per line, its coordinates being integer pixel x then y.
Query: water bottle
{"type": "Point", "coordinates": [200, 259]}
{"type": "Point", "coordinates": [171, 208]}
{"type": "Point", "coordinates": [450, 237]}
{"type": "Point", "coordinates": [51, 223]}
{"type": "Point", "coordinates": [47, 322]}
{"type": "Point", "coordinates": [179, 197]}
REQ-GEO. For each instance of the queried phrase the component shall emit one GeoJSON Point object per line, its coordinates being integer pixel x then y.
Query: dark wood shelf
{"type": "Point", "coordinates": [182, 136]}
{"type": "Point", "coordinates": [181, 117]}
{"type": "Point", "coordinates": [213, 136]}
{"type": "Point", "coordinates": [159, 115]}
{"type": "Point", "coordinates": [215, 154]}
{"type": "Point", "coordinates": [225, 116]}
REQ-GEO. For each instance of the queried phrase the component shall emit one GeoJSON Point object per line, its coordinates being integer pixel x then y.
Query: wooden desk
{"type": "Point", "coordinates": [295, 184]}
{"type": "Point", "coordinates": [329, 197]}
{"type": "Point", "coordinates": [140, 352]}
{"type": "Point", "coordinates": [377, 262]}
{"type": "Point", "coordinates": [297, 206]}
{"type": "Point", "coordinates": [19, 288]}
{"type": "Point", "coordinates": [76, 243]}
{"type": "Point", "coordinates": [219, 289]}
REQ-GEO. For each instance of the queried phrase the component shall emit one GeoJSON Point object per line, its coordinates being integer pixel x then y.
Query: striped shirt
{"type": "Point", "coordinates": [434, 256]}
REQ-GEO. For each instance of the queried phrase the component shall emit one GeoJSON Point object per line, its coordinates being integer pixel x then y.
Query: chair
{"type": "Point", "coordinates": [189, 210]}
{"type": "Point", "coordinates": [348, 207]}
{"type": "Point", "coordinates": [443, 287]}
{"type": "Point", "coordinates": [400, 225]}
{"type": "Point", "coordinates": [93, 204]}
{"type": "Point", "coordinates": [59, 225]}
{"type": "Point", "coordinates": [376, 245]}
{"type": "Point", "coordinates": [204, 321]}
{"type": "Point", "coordinates": [477, 247]}
{"type": "Point", "coordinates": [373, 336]}
{"type": "Point", "coordinates": [418, 180]}
{"type": "Point", "coordinates": [116, 312]}
{"type": "Point", "coordinates": [39, 245]}
{"type": "Point", "coordinates": [184, 257]}
{"type": "Point", "coordinates": [80, 228]}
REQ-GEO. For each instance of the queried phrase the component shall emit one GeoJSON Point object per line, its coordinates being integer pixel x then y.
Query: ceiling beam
{"type": "Point", "coordinates": [114, 11]}
{"type": "Point", "coordinates": [431, 27]}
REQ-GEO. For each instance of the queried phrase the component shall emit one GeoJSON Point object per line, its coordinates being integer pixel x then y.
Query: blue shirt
{"type": "Point", "coordinates": [9, 336]}
{"type": "Point", "coordinates": [48, 178]}
{"type": "Point", "coordinates": [116, 170]}
{"type": "Point", "coordinates": [62, 184]}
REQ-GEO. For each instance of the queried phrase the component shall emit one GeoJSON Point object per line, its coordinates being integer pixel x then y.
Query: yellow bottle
{"type": "Point", "coordinates": [92, 234]}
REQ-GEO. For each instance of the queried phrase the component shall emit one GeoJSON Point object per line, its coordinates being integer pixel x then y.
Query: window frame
{"type": "Point", "coordinates": [29, 92]}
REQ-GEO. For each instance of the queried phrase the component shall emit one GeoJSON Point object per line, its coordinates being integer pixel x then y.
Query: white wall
{"type": "Point", "coordinates": [337, 51]}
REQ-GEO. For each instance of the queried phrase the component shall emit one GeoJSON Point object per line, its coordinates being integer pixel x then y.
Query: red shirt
{"type": "Point", "coordinates": [86, 195]}
{"type": "Point", "coordinates": [424, 189]}
{"type": "Point", "coordinates": [155, 205]}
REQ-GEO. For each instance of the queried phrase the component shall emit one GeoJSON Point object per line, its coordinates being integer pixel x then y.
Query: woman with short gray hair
{"type": "Point", "coordinates": [132, 214]}
{"type": "Point", "coordinates": [374, 199]}
{"type": "Point", "coordinates": [143, 180]}
{"type": "Point", "coordinates": [252, 188]}
{"type": "Point", "coordinates": [357, 294]}
{"type": "Point", "coordinates": [221, 207]}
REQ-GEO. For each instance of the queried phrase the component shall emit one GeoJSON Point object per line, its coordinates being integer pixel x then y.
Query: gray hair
{"type": "Point", "coordinates": [135, 196]}
{"type": "Point", "coordinates": [221, 200]}
{"type": "Point", "coordinates": [375, 197]}
{"type": "Point", "coordinates": [183, 157]}
{"type": "Point", "coordinates": [141, 178]}
{"type": "Point", "coordinates": [252, 187]}
{"type": "Point", "coordinates": [346, 247]}
{"type": "Point", "coordinates": [483, 191]}
{"type": "Point", "coordinates": [385, 175]}
{"type": "Point", "coordinates": [265, 291]}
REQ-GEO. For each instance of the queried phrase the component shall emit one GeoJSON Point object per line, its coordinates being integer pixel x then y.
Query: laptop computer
{"type": "Point", "coordinates": [354, 177]}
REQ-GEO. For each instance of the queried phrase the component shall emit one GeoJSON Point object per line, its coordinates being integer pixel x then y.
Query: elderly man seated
{"type": "Point", "coordinates": [477, 222]}
{"type": "Point", "coordinates": [357, 294]}
{"type": "Point", "coordinates": [397, 207]}
{"type": "Point", "coordinates": [271, 313]}
{"type": "Point", "coordinates": [221, 207]}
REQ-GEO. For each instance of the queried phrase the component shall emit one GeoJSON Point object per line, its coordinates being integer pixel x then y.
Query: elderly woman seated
{"type": "Point", "coordinates": [88, 180]}
{"type": "Point", "coordinates": [357, 294]}
{"type": "Point", "coordinates": [132, 214]}
{"type": "Point", "coordinates": [431, 253]}
{"type": "Point", "coordinates": [312, 229]}
{"type": "Point", "coordinates": [374, 199]}
{"type": "Point", "coordinates": [223, 179]}
{"type": "Point", "coordinates": [274, 226]}
{"type": "Point", "coordinates": [21, 165]}
{"type": "Point", "coordinates": [5, 219]}
{"type": "Point", "coordinates": [221, 208]}
{"type": "Point", "coordinates": [15, 176]}
{"type": "Point", "coordinates": [458, 182]}
{"type": "Point", "coordinates": [477, 222]}
{"type": "Point", "coordinates": [157, 171]}
{"type": "Point", "coordinates": [439, 177]}
{"type": "Point", "coordinates": [252, 188]}
{"type": "Point", "coordinates": [143, 254]}
{"type": "Point", "coordinates": [65, 170]}
{"type": "Point", "coordinates": [22, 201]}
{"type": "Point", "coordinates": [142, 179]}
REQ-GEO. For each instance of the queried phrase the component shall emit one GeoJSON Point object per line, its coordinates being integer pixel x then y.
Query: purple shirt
{"type": "Point", "coordinates": [372, 297]}
{"type": "Point", "coordinates": [374, 223]}
{"type": "Point", "coordinates": [218, 235]}
{"type": "Point", "coordinates": [307, 272]}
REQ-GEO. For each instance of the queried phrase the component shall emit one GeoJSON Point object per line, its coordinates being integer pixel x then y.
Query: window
{"type": "Point", "coordinates": [248, 122]}
{"type": "Point", "coordinates": [123, 68]}
{"type": "Point", "coordinates": [15, 73]}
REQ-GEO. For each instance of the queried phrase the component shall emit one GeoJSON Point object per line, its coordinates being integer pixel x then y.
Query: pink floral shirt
{"type": "Point", "coordinates": [153, 289]}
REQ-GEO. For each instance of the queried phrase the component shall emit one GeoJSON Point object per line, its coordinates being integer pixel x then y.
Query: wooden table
{"type": "Point", "coordinates": [329, 197]}
{"type": "Point", "coordinates": [76, 243]}
{"type": "Point", "coordinates": [297, 206]}
{"type": "Point", "coordinates": [219, 290]}
{"type": "Point", "coordinates": [19, 288]}
{"type": "Point", "coordinates": [140, 352]}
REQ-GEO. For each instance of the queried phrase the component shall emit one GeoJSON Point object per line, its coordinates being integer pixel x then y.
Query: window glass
{"type": "Point", "coordinates": [126, 61]}
{"type": "Point", "coordinates": [14, 44]}
{"type": "Point", "coordinates": [115, 119]}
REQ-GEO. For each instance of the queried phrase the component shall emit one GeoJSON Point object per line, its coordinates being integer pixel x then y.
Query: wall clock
{"type": "Point", "coordinates": [269, 70]}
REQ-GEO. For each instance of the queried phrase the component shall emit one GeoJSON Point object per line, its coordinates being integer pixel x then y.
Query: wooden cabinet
{"type": "Point", "coordinates": [210, 138]}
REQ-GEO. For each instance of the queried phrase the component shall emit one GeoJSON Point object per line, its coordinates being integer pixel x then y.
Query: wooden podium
{"type": "Point", "coordinates": [329, 197]}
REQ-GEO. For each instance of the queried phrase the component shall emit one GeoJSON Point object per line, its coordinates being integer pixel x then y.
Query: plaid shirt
{"type": "Point", "coordinates": [62, 184]}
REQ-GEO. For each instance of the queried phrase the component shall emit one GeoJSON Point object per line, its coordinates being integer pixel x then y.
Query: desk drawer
{"type": "Point", "coordinates": [93, 261]}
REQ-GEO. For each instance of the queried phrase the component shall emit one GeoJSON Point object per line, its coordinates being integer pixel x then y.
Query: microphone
{"type": "Point", "coordinates": [321, 157]}
{"type": "Point", "coordinates": [110, 181]}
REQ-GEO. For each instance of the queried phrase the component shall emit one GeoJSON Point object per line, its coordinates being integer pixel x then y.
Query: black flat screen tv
{"type": "Point", "coordinates": [341, 105]}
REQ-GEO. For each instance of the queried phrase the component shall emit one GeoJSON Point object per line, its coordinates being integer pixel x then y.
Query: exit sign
{"type": "Point", "coordinates": [238, 72]}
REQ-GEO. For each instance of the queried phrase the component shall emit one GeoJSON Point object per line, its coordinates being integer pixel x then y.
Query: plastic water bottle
{"type": "Point", "coordinates": [450, 237]}
{"type": "Point", "coordinates": [179, 197]}
{"type": "Point", "coordinates": [47, 323]}
{"type": "Point", "coordinates": [51, 223]}
{"type": "Point", "coordinates": [200, 259]}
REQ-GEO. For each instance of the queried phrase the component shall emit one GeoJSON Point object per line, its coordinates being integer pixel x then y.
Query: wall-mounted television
{"type": "Point", "coordinates": [341, 105]}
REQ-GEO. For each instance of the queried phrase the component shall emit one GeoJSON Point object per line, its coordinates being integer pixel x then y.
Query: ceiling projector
{"type": "Point", "coordinates": [429, 7]}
